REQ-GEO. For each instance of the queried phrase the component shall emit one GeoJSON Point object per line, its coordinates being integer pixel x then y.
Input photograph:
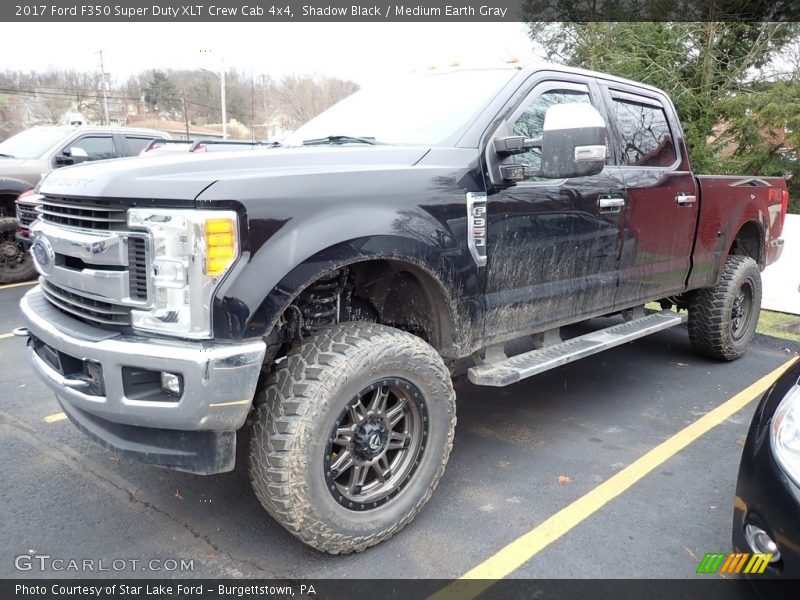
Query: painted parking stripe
{"type": "Point", "coordinates": [5, 336]}
{"type": "Point", "coordinates": [21, 284]}
{"type": "Point", "coordinates": [55, 418]}
{"type": "Point", "coordinates": [521, 550]}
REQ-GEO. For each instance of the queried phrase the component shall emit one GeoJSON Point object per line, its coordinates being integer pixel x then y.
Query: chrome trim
{"type": "Point", "coordinates": [590, 153]}
{"type": "Point", "coordinates": [100, 248]}
{"type": "Point", "coordinates": [106, 286]}
{"type": "Point", "coordinates": [219, 378]}
{"type": "Point", "coordinates": [477, 226]}
{"type": "Point", "coordinates": [685, 199]}
{"type": "Point", "coordinates": [611, 202]}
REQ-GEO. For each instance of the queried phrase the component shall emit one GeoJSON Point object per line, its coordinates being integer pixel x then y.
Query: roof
{"type": "Point", "coordinates": [101, 129]}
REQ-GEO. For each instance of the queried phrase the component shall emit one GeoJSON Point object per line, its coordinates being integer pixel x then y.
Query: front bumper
{"type": "Point", "coordinates": [765, 495]}
{"type": "Point", "coordinates": [219, 382]}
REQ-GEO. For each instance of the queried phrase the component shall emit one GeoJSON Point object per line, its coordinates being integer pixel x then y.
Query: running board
{"type": "Point", "coordinates": [511, 370]}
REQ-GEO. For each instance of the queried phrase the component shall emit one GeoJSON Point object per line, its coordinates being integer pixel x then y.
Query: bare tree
{"type": "Point", "coordinates": [302, 98]}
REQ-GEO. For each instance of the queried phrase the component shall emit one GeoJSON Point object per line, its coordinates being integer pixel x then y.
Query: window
{"type": "Point", "coordinates": [96, 146]}
{"type": "Point", "coordinates": [644, 134]}
{"type": "Point", "coordinates": [531, 122]}
{"type": "Point", "coordinates": [137, 144]}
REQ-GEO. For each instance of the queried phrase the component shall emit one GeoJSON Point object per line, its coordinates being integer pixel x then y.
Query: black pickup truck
{"type": "Point", "coordinates": [317, 297]}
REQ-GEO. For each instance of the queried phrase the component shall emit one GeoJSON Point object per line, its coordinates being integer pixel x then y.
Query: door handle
{"type": "Point", "coordinates": [610, 204]}
{"type": "Point", "coordinates": [685, 199]}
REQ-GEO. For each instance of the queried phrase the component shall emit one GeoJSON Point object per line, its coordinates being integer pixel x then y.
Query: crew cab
{"type": "Point", "coordinates": [317, 297]}
{"type": "Point", "coordinates": [29, 155]}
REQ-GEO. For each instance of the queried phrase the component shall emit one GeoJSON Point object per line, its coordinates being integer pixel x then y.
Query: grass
{"type": "Point", "coordinates": [776, 325]}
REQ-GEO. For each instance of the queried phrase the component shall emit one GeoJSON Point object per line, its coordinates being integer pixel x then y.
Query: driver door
{"type": "Point", "coordinates": [553, 246]}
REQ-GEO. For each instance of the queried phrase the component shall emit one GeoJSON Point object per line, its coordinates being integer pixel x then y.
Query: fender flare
{"type": "Point", "coordinates": [13, 187]}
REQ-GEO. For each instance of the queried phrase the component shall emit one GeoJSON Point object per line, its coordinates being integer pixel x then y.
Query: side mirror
{"type": "Point", "coordinates": [76, 153]}
{"type": "Point", "coordinates": [515, 144]}
{"type": "Point", "coordinates": [573, 144]}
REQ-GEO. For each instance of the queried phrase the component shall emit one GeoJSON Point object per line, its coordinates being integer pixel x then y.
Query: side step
{"type": "Point", "coordinates": [511, 370]}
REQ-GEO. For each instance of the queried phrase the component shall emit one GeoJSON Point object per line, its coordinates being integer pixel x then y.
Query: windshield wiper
{"type": "Point", "coordinates": [6, 155]}
{"type": "Point", "coordinates": [340, 139]}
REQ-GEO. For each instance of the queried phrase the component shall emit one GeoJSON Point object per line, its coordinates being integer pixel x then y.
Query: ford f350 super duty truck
{"type": "Point", "coordinates": [315, 297]}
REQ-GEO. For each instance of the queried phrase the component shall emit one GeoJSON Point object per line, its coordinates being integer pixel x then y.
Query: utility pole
{"type": "Point", "coordinates": [224, 108]}
{"type": "Point", "coordinates": [252, 105]}
{"type": "Point", "coordinates": [221, 76]}
{"type": "Point", "coordinates": [185, 115]}
{"type": "Point", "coordinates": [105, 87]}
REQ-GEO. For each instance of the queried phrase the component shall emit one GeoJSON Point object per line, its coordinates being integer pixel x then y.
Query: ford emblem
{"type": "Point", "coordinates": [43, 255]}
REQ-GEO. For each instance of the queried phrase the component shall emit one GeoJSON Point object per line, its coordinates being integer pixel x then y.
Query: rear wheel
{"type": "Point", "coordinates": [16, 263]}
{"type": "Point", "coordinates": [723, 319]}
{"type": "Point", "coordinates": [353, 436]}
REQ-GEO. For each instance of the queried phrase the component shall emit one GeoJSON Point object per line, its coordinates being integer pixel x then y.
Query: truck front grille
{"type": "Point", "coordinates": [84, 213]}
{"type": "Point", "coordinates": [26, 214]}
{"type": "Point", "coordinates": [87, 309]}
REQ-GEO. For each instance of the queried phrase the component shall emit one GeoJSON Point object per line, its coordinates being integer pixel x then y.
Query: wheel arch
{"type": "Point", "coordinates": [409, 290]}
{"type": "Point", "coordinates": [749, 240]}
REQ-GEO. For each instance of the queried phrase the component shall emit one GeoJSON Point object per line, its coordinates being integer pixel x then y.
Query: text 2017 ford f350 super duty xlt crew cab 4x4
{"type": "Point", "coordinates": [316, 296]}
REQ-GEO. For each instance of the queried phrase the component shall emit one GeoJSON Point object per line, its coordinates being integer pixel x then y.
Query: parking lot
{"type": "Point", "coordinates": [522, 454]}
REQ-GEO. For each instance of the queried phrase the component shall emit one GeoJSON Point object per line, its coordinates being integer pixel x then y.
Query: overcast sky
{"type": "Point", "coordinates": [362, 52]}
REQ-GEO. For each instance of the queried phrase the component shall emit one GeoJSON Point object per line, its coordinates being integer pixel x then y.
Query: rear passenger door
{"type": "Point", "coordinates": [660, 214]}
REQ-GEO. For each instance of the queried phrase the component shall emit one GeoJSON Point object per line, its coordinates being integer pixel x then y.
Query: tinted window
{"type": "Point", "coordinates": [531, 122]}
{"type": "Point", "coordinates": [137, 144]}
{"type": "Point", "coordinates": [644, 133]}
{"type": "Point", "coordinates": [96, 146]}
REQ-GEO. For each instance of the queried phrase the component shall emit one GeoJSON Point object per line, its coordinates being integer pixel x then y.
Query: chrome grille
{"type": "Point", "coordinates": [137, 268]}
{"type": "Point", "coordinates": [83, 213]}
{"type": "Point", "coordinates": [88, 309]}
{"type": "Point", "coordinates": [26, 214]}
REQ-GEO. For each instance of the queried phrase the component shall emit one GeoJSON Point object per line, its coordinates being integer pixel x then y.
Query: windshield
{"type": "Point", "coordinates": [415, 110]}
{"type": "Point", "coordinates": [32, 143]}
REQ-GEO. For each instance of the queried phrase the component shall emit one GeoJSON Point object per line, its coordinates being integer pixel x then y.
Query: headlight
{"type": "Point", "coordinates": [785, 434]}
{"type": "Point", "coordinates": [191, 250]}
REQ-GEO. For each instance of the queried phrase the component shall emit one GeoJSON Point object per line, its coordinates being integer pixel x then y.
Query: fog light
{"type": "Point", "coordinates": [760, 542]}
{"type": "Point", "coordinates": [171, 383]}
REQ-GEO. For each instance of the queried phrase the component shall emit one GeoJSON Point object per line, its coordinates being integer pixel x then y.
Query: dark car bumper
{"type": "Point", "coordinates": [765, 495]}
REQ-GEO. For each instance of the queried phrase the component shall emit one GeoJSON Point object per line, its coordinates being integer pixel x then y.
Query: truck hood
{"type": "Point", "coordinates": [185, 176]}
{"type": "Point", "coordinates": [23, 169]}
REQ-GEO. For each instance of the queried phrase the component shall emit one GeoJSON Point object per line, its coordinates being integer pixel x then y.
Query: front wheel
{"type": "Point", "coordinates": [353, 436]}
{"type": "Point", "coordinates": [723, 319]}
{"type": "Point", "coordinates": [16, 264]}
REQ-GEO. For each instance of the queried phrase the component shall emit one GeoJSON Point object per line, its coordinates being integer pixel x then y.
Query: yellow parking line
{"type": "Point", "coordinates": [13, 285]}
{"type": "Point", "coordinates": [5, 336]}
{"type": "Point", "coordinates": [517, 553]}
{"type": "Point", "coordinates": [55, 418]}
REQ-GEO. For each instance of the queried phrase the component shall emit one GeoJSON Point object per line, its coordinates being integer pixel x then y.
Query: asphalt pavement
{"type": "Point", "coordinates": [521, 454]}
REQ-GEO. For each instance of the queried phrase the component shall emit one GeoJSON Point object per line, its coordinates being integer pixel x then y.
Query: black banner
{"type": "Point", "coordinates": [392, 10]}
{"type": "Point", "coordinates": [700, 588]}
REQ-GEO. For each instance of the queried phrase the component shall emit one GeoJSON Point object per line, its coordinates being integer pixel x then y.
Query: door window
{"type": "Point", "coordinates": [531, 122]}
{"type": "Point", "coordinates": [136, 144]}
{"type": "Point", "coordinates": [644, 133]}
{"type": "Point", "coordinates": [97, 147]}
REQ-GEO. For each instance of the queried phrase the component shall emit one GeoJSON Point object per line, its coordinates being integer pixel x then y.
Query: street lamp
{"type": "Point", "coordinates": [221, 76]}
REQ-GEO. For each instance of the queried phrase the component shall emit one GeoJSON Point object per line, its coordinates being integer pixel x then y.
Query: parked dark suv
{"type": "Point", "coordinates": [27, 156]}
